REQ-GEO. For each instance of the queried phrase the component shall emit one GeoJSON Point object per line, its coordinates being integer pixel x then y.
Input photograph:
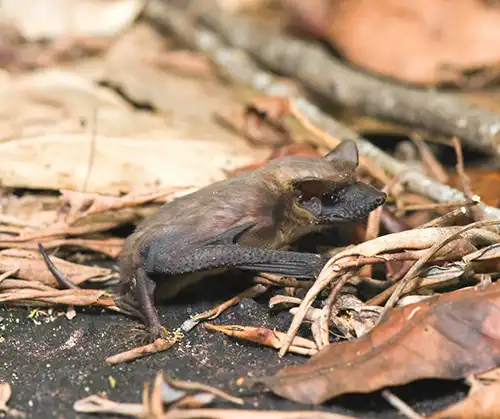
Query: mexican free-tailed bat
{"type": "Point", "coordinates": [242, 223]}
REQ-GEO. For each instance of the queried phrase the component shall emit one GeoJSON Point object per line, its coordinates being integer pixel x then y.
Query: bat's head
{"type": "Point", "coordinates": [325, 191]}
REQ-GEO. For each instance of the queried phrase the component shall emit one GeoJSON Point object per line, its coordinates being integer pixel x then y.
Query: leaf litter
{"type": "Point", "coordinates": [414, 297]}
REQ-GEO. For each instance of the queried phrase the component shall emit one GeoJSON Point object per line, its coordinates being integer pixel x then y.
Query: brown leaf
{"type": "Point", "coordinates": [158, 345]}
{"type": "Point", "coordinates": [264, 336]}
{"type": "Point", "coordinates": [75, 297]}
{"type": "Point", "coordinates": [187, 63]}
{"type": "Point", "coordinates": [30, 266]}
{"type": "Point", "coordinates": [110, 247]}
{"type": "Point", "coordinates": [437, 41]}
{"type": "Point", "coordinates": [5, 394]}
{"type": "Point", "coordinates": [49, 18]}
{"type": "Point", "coordinates": [448, 337]}
{"type": "Point", "coordinates": [484, 182]}
{"type": "Point", "coordinates": [260, 121]}
{"type": "Point", "coordinates": [60, 116]}
{"type": "Point", "coordinates": [189, 131]}
{"type": "Point", "coordinates": [84, 204]}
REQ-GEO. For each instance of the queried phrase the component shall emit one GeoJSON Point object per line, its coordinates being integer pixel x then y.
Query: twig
{"type": "Point", "coordinates": [238, 67]}
{"type": "Point", "coordinates": [313, 66]}
{"type": "Point", "coordinates": [437, 206]}
{"type": "Point", "coordinates": [194, 386]}
{"type": "Point", "coordinates": [400, 405]}
{"type": "Point", "coordinates": [412, 273]}
{"type": "Point", "coordinates": [429, 159]}
{"type": "Point", "coordinates": [215, 312]}
{"type": "Point", "coordinates": [270, 279]}
{"type": "Point", "coordinates": [326, 311]}
{"type": "Point", "coordinates": [446, 219]}
{"type": "Point", "coordinates": [477, 212]}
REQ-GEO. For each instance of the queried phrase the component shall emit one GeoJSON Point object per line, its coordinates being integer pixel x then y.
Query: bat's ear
{"type": "Point", "coordinates": [309, 187]}
{"type": "Point", "coordinates": [346, 151]}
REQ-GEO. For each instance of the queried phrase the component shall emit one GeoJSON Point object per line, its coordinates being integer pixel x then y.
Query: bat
{"type": "Point", "coordinates": [243, 222]}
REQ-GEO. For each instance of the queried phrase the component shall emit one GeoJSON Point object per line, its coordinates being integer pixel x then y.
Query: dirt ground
{"type": "Point", "coordinates": [51, 365]}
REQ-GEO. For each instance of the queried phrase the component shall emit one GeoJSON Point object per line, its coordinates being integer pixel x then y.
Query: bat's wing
{"type": "Point", "coordinates": [203, 258]}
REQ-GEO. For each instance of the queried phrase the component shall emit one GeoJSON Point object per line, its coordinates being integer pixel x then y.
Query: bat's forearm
{"type": "Point", "coordinates": [299, 265]}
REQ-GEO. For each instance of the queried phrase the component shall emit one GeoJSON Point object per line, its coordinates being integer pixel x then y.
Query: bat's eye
{"type": "Point", "coordinates": [331, 198]}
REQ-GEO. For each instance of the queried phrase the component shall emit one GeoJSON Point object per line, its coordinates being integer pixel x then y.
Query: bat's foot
{"type": "Point", "coordinates": [157, 331]}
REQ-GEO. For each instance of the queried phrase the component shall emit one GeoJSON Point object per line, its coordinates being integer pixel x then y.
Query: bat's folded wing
{"type": "Point", "coordinates": [295, 264]}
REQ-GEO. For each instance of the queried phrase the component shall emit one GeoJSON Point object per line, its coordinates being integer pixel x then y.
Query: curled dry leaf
{"type": "Point", "coordinates": [158, 345]}
{"type": "Point", "coordinates": [260, 121]}
{"type": "Point", "coordinates": [97, 404]}
{"type": "Point", "coordinates": [76, 297]}
{"type": "Point", "coordinates": [110, 247]}
{"type": "Point", "coordinates": [200, 387]}
{"type": "Point", "coordinates": [267, 337]}
{"type": "Point", "coordinates": [48, 19]}
{"type": "Point", "coordinates": [83, 204]}
{"type": "Point", "coordinates": [251, 414]}
{"type": "Point", "coordinates": [5, 394]}
{"type": "Point", "coordinates": [448, 337]}
{"type": "Point", "coordinates": [30, 266]}
{"type": "Point", "coordinates": [364, 32]}
{"type": "Point", "coordinates": [20, 284]}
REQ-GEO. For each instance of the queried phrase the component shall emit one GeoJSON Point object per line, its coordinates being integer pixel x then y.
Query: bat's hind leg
{"type": "Point", "coordinates": [144, 296]}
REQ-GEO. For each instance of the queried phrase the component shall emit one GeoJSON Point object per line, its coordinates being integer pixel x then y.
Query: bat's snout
{"type": "Point", "coordinates": [378, 199]}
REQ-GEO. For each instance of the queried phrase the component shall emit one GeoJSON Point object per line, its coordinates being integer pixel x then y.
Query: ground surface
{"type": "Point", "coordinates": [51, 365]}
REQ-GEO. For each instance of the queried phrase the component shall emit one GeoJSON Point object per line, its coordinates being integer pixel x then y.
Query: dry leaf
{"type": "Point", "coordinates": [5, 394]}
{"type": "Point", "coordinates": [30, 266]}
{"type": "Point", "coordinates": [187, 63]}
{"type": "Point", "coordinates": [76, 297]}
{"type": "Point", "coordinates": [158, 345]}
{"type": "Point", "coordinates": [48, 19]}
{"type": "Point", "coordinates": [484, 182]}
{"type": "Point", "coordinates": [41, 117]}
{"type": "Point", "coordinates": [449, 337]}
{"type": "Point", "coordinates": [84, 204]}
{"type": "Point", "coordinates": [266, 337]}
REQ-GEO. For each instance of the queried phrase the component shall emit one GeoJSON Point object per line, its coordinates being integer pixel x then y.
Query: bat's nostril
{"type": "Point", "coordinates": [380, 200]}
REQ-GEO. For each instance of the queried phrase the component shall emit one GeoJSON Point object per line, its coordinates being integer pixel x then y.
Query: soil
{"type": "Point", "coordinates": [50, 365]}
